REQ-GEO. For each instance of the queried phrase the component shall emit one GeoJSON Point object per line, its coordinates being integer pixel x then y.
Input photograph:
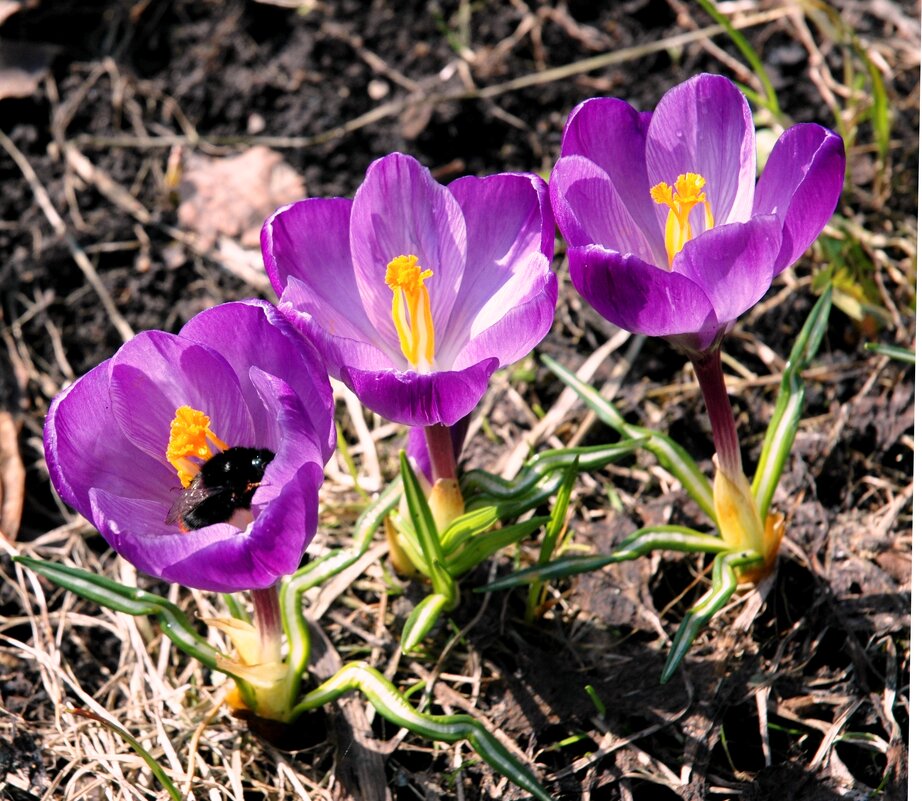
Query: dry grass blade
{"type": "Point", "coordinates": [12, 477]}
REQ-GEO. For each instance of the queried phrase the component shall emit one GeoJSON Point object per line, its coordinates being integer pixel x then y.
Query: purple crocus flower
{"type": "Point", "coordinates": [198, 456]}
{"type": "Point", "coordinates": [669, 234]}
{"type": "Point", "coordinates": [415, 293]}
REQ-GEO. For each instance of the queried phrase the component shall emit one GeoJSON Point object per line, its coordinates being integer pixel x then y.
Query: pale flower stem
{"type": "Point", "coordinates": [441, 452]}
{"type": "Point", "coordinates": [723, 424]}
{"type": "Point", "coordinates": [267, 615]}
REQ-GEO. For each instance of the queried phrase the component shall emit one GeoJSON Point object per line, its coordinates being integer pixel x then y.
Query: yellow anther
{"type": "Point", "coordinates": [191, 438]}
{"type": "Point", "coordinates": [681, 198]}
{"type": "Point", "coordinates": [411, 311]}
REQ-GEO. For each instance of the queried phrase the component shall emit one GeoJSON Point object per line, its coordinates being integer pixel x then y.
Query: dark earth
{"type": "Point", "coordinates": [123, 209]}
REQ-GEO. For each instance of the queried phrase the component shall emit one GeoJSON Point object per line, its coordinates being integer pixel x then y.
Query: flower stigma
{"type": "Point", "coordinates": [683, 196]}
{"type": "Point", "coordinates": [191, 438]}
{"type": "Point", "coordinates": [411, 311]}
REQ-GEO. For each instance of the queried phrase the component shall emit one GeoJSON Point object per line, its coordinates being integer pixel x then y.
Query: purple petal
{"type": "Point", "coordinates": [733, 263]}
{"type": "Point", "coordinates": [253, 334]}
{"type": "Point", "coordinates": [519, 328]}
{"type": "Point", "coordinates": [640, 297]}
{"type": "Point", "coordinates": [401, 210]}
{"type": "Point", "coordinates": [510, 243]}
{"type": "Point", "coordinates": [801, 183]}
{"type": "Point", "coordinates": [155, 373]}
{"type": "Point", "coordinates": [589, 211]}
{"type": "Point", "coordinates": [309, 241]}
{"type": "Point", "coordinates": [337, 347]}
{"type": "Point", "coordinates": [273, 546]}
{"type": "Point", "coordinates": [293, 439]}
{"type": "Point", "coordinates": [85, 448]}
{"type": "Point", "coordinates": [218, 558]}
{"type": "Point", "coordinates": [612, 134]}
{"type": "Point", "coordinates": [417, 399]}
{"type": "Point", "coordinates": [704, 126]}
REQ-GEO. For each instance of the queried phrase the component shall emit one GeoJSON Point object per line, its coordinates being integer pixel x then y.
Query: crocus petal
{"type": "Point", "coordinates": [398, 210]}
{"type": "Point", "coordinates": [272, 346]}
{"type": "Point", "coordinates": [640, 297]}
{"type": "Point", "coordinates": [256, 558]}
{"type": "Point", "coordinates": [510, 245]}
{"type": "Point", "coordinates": [293, 438]}
{"type": "Point", "coordinates": [418, 452]}
{"type": "Point", "coordinates": [519, 328]}
{"type": "Point", "coordinates": [704, 126]}
{"type": "Point", "coordinates": [589, 211]}
{"type": "Point", "coordinates": [136, 528]}
{"type": "Point", "coordinates": [732, 264]}
{"type": "Point", "coordinates": [422, 399]}
{"type": "Point", "coordinates": [106, 438]}
{"type": "Point", "coordinates": [801, 183]}
{"type": "Point", "coordinates": [217, 558]}
{"type": "Point", "coordinates": [487, 241]}
{"type": "Point", "coordinates": [155, 373]}
{"type": "Point", "coordinates": [612, 134]}
{"type": "Point", "coordinates": [309, 241]}
{"type": "Point", "coordinates": [81, 456]}
{"type": "Point", "coordinates": [338, 346]}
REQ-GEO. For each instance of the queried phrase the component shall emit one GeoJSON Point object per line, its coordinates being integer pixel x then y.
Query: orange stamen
{"type": "Point", "coordinates": [191, 438]}
{"type": "Point", "coordinates": [411, 311]}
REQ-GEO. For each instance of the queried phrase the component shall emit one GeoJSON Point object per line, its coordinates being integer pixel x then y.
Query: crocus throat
{"type": "Point", "coordinates": [191, 438]}
{"type": "Point", "coordinates": [681, 198]}
{"type": "Point", "coordinates": [411, 311]}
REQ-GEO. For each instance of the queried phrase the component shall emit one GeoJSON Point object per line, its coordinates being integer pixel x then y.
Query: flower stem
{"type": "Point", "coordinates": [441, 452]}
{"type": "Point", "coordinates": [267, 616]}
{"type": "Point", "coordinates": [726, 442]}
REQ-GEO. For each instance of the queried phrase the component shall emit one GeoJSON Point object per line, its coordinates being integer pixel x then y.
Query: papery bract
{"type": "Point", "coordinates": [259, 385]}
{"type": "Point", "coordinates": [669, 234]}
{"type": "Point", "coordinates": [415, 293]}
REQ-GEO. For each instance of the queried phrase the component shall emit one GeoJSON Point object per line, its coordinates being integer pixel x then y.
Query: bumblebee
{"type": "Point", "coordinates": [226, 482]}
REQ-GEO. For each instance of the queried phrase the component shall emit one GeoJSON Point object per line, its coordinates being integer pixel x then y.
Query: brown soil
{"type": "Point", "coordinates": [800, 692]}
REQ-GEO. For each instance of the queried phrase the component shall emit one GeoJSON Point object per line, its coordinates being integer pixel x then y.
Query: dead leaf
{"type": "Point", "coordinates": [232, 196]}
{"type": "Point", "coordinates": [22, 66]}
{"type": "Point", "coordinates": [8, 8]}
{"type": "Point", "coordinates": [12, 478]}
{"type": "Point", "coordinates": [414, 120]}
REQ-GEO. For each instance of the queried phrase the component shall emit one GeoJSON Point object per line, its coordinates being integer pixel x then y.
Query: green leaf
{"type": "Point", "coordinates": [640, 543]}
{"type": "Point", "coordinates": [891, 352]}
{"type": "Point", "coordinates": [393, 706]}
{"type": "Point", "coordinates": [672, 456]}
{"type": "Point", "coordinates": [426, 533]}
{"type": "Point", "coordinates": [372, 518]}
{"type": "Point", "coordinates": [771, 99]}
{"type": "Point", "coordinates": [552, 535]}
{"type": "Point", "coordinates": [421, 621]}
{"type": "Point", "coordinates": [559, 512]}
{"type": "Point", "coordinates": [782, 428]}
{"type": "Point", "coordinates": [420, 513]}
{"type": "Point", "coordinates": [320, 570]}
{"type": "Point", "coordinates": [470, 524]}
{"type": "Point", "coordinates": [724, 580]}
{"type": "Point", "coordinates": [131, 601]}
{"type": "Point", "coordinates": [483, 546]}
{"type": "Point", "coordinates": [159, 773]}
{"type": "Point", "coordinates": [512, 508]}
{"type": "Point", "coordinates": [476, 483]}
